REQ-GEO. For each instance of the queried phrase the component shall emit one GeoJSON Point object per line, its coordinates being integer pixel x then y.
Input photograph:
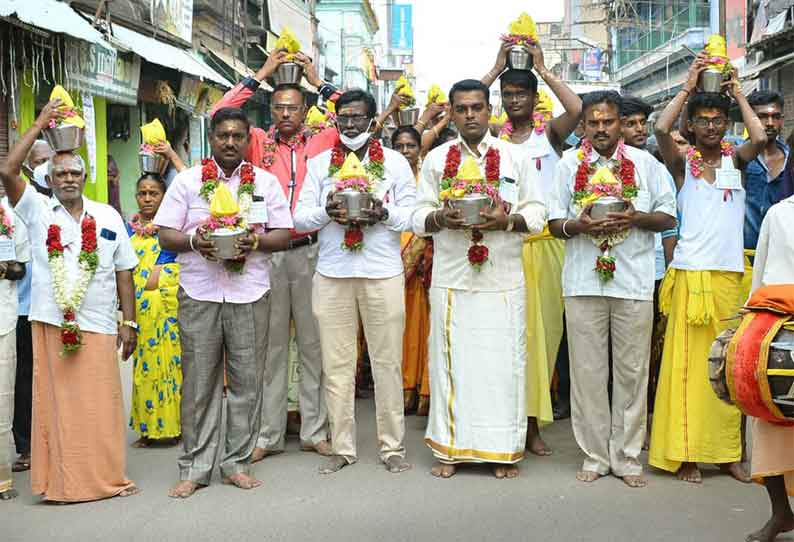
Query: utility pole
{"type": "Point", "coordinates": [342, 53]}
{"type": "Point", "coordinates": [723, 22]}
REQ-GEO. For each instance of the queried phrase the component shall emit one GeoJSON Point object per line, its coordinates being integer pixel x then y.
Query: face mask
{"type": "Point", "coordinates": [572, 140]}
{"type": "Point", "coordinates": [355, 143]}
{"type": "Point", "coordinates": [40, 175]}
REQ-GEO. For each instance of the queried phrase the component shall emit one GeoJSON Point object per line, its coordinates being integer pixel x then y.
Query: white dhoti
{"type": "Point", "coordinates": [477, 356]}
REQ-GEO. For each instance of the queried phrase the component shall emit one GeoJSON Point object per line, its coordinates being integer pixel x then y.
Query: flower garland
{"type": "Point", "coordinates": [586, 193]}
{"type": "Point", "coordinates": [354, 235]}
{"type": "Point", "coordinates": [270, 144]}
{"type": "Point", "coordinates": [6, 228]}
{"type": "Point", "coordinates": [69, 302]}
{"type": "Point", "coordinates": [452, 188]}
{"type": "Point", "coordinates": [695, 157]}
{"type": "Point", "coordinates": [245, 193]}
{"type": "Point", "coordinates": [143, 230]}
{"type": "Point", "coordinates": [374, 167]}
{"type": "Point", "coordinates": [539, 121]}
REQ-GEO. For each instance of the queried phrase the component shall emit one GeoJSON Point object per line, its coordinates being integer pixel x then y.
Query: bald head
{"type": "Point", "coordinates": [39, 153]}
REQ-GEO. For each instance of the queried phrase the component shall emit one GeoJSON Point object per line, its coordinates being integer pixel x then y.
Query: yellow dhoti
{"type": "Point", "coordinates": [542, 258]}
{"type": "Point", "coordinates": [691, 424]}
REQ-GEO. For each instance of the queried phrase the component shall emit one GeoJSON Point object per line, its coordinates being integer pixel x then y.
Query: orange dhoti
{"type": "Point", "coordinates": [79, 435]}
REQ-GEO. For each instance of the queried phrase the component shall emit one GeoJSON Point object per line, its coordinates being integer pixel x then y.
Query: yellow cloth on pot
{"type": "Point", "coordinates": [403, 88]}
{"type": "Point", "coordinates": [436, 96]}
{"type": "Point", "coordinates": [352, 168]}
{"type": "Point", "coordinates": [153, 133]}
{"type": "Point", "coordinates": [223, 203]}
{"type": "Point", "coordinates": [289, 42]}
{"type": "Point", "coordinates": [67, 105]}
{"type": "Point", "coordinates": [524, 26]}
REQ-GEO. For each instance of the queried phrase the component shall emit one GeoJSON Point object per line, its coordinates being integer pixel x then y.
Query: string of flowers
{"type": "Point", "coordinates": [270, 145]}
{"type": "Point", "coordinates": [695, 158]}
{"type": "Point", "coordinates": [69, 301]}
{"type": "Point", "coordinates": [586, 192]}
{"type": "Point", "coordinates": [374, 167]}
{"type": "Point", "coordinates": [6, 228]}
{"type": "Point", "coordinates": [148, 229]}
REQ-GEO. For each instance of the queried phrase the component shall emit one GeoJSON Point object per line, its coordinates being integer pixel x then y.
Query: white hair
{"type": "Point", "coordinates": [73, 156]}
{"type": "Point", "coordinates": [41, 145]}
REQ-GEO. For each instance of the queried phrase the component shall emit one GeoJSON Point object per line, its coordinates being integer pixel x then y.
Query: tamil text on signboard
{"type": "Point", "coordinates": [103, 72]}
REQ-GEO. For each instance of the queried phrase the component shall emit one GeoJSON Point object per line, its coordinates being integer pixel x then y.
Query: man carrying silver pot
{"type": "Point", "coordinates": [360, 276]}
{"type": "Point", "coordinates": [607, 281]}
{"type": "Point", "coordinates": [224, 306]}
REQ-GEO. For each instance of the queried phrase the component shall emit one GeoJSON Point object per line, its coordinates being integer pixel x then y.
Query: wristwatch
{"type": "Point", "coordinates": [131, 324]}
{"type": "Point", "coordinates": [510, 223]}
{"type": "Point", "coordinates": [385, 216]}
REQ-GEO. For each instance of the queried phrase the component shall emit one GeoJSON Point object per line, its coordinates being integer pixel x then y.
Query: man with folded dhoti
{"type": "Point", "coordinates": [702, 289]}
{"type": "Point", "coordinates": [540, 137]}
{"type": "Point", "coordinates": [773, 444]}
{"type": "Point", "coordinates": [478, 340]}
{"type": "Point", "coordinates": [283, 150]}
{"type": "Point", "coordinates": [224, 299]}
{"type": "Point", "coordinates": [607, 281]}
{"type": "Point", "coordinates": [14, 253]}
{"type": "Point", "coordinates": [359, 275]}
{"type": "Point", "coordinates": [82, 263]}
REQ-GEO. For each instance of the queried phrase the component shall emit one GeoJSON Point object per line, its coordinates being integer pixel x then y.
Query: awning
{"type": "Point", "coordinates": [236, 65]}
{"type": "Point", "coordinates": [166, 55]}
{"type": "Point", "coordinates": [288, 13]}
{"type": "Point", "coordinates": [755, 71]}
{"type": "Point", "coordinates": [53, 16]}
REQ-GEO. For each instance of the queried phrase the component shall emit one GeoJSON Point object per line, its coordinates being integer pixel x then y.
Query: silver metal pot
{"type": "Point", "coordinates": [711, 80]}
{"type": "Point", "coordinates": [519, 58]}
{"type": "Point", "coordinates": [408, 117]}
{"type": "Point", "coordinates": [66, 137]}
{"type": "Point", "coordinates": [605, 205]}
{"type": "Point", "coordinates": [152, 163]}
{"type": "Point", "coordinates": [225, 243]}
{"type": "Point", "coordinates": [354, 202]}
{"type": "Point", "coordinates": [470, 206]}
{"type": "Point", "coordinates": [288, 73]}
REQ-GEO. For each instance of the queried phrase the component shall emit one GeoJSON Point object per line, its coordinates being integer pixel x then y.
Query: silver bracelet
{"type": "Point", "coordinates": [190, 242]}
{"type": "Point", "coordinates": [564, 231]}
{"type": "Point", "coordinates": [439, 226]}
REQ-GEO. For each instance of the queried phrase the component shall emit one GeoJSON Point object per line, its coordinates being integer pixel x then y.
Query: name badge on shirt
{"type": "Point", "coordinates": [508, 190]}
{"type": "Point", "coordinates": [8, 250]}
{"type": "Point", "coordinates": [257, 214]}
{"type": "Point", "coordinates": [728, 179]}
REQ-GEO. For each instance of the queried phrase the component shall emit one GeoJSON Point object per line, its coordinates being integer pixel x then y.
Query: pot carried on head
{"type": "Point", "coordinates": [753, 366]}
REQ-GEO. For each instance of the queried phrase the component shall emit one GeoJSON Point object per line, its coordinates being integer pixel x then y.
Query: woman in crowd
{"type": "Point", "coordinates": [157, 372]}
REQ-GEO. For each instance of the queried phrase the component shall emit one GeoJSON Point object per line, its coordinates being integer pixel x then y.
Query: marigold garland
{"type": "Point", "coordinates": [143, 230]}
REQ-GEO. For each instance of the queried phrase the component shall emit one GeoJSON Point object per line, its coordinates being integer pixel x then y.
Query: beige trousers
{"type": "Point", "coordinates": [291, 276]}
{"type": "Point", "coordinates": [611, 441]}
{"type": "Point", "coordinates": [380, 305]}
{"type": "Point", "coordinates": [8, 365]}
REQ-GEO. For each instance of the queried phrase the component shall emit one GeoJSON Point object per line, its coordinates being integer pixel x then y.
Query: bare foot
{"type": "Point", "coordinates": [333, 464]}
{"type": "Point", "coordinates": [142, 442]}
{"type": "Point", "coordinates": [535, 443]}
{"type": "Point", "coordinates": [322, 448]}
{"type": "Point", "coordinates": [689, 472]}
{"type": "Point", "coordinates": [443, 470]}
{"type": "Point", "coordinates": [773, 527]}
{"type": "Point", "coordinates": [736, 470]}
{"type": "Point", "coordinates": [505, 471]}
{"type": "Point", "coordinates": [260, 453]}
{"type": "Point", "coordinates": [184, 489]}
{"type": "Point", "coordinates": [130, 491]}
{"type": "Point", "coordinates": [635, 481]}
{"type": "Point", "coordinates": [242, 480]}
{"type": "Point", "coordinates": [587, 476]}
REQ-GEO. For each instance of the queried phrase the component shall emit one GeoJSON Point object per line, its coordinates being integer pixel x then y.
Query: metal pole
{"type": "Point", "coordinates": [342, 52]}
{"type": "Point", "coordinates": [723, 23]}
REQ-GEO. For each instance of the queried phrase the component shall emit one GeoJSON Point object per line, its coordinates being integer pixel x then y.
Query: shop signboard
{"type": "Point", "coordinates": [174, 17]}
{"type": "Point", "coordinates": [103, 72]}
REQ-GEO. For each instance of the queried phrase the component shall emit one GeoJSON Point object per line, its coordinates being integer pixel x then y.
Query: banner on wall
{"type": "Point", "coordinates": [401, 38]}
{"type": "Point", "coordinates": [174, 17]}
{"type": "Point", "coordinates": [103, 72]}
{"type": "Point", "coordinates": [90, 134]}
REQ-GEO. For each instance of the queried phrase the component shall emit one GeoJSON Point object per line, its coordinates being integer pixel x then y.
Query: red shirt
{"type": "Point", "coordinates": [291, 179]}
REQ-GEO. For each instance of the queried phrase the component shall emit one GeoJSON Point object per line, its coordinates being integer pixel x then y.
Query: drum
{"type": "Point", "coordinates": [753, 367]}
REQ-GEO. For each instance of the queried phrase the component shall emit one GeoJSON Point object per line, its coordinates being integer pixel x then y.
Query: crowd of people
{"type": "Point", "coordinates": [471, 326]}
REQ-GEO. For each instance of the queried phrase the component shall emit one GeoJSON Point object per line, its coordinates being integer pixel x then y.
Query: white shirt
{"type": "Point", "coordinates": [543, 158]}
{"type": "Point", "coordinates": [380, 257]}
{"type": "Point", "coordinates": [634, 258]}
{"type": "Point", "coordinates": [774, 256]}
{"type": "Point", "coordinates": [99, 308]}
{"type": "Point", "coordinates": [9, 303]}
{"type": "Point", "coordinates": [711, 237]}
{"type": "Point", "coordinates": [451, 267]}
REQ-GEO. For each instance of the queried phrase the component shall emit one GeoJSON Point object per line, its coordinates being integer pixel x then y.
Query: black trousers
{"type": "Point", "coordinates": [23, 389]}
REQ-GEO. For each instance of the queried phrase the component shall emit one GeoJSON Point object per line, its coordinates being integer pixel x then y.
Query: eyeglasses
{"type": "Point", "coordinates": [279, 108]}
{"type": "Point", "coordinates": [354, 120]}
{"type": "Point", "coordinates": [717, 122]}
{"type": "Point", "coordinates": [515, 96]}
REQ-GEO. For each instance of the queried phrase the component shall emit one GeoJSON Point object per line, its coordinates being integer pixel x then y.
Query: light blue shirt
{"type": "Point", "coordinates": [23, 292]}
{"type": "Point", "coordinates": [661, 265]}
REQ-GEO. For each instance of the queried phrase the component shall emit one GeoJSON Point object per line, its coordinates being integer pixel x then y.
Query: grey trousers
{"type": "Point", "coordinates": [291, 275]}
{"type": "Point", "coordinates": [611, 440]}
{"type": "Point", "coordinates": [207, 330]}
